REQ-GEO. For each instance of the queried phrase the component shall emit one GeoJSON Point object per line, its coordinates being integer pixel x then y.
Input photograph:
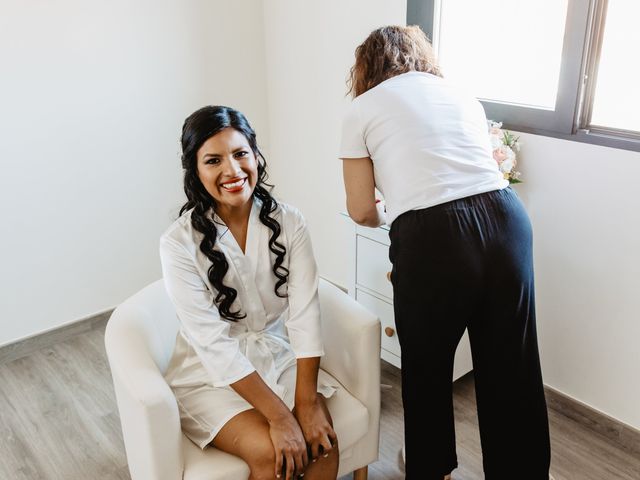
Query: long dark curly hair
{"type": "Point", "coordinates": [197, 129]}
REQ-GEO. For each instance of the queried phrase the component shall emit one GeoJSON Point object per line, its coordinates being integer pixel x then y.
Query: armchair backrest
{"type": "Point", "coordinates": [148, 320]}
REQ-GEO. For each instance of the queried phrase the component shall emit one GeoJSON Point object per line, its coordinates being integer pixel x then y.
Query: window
{"type": "Point", "coordinates": [562, 68]}
{"type": "Point", "coordinates": [525, 72]}
{"type": "Point", "coordinates": [615, 104]}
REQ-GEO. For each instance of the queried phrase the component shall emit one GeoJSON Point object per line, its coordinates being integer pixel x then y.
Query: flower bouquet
{"type": "Point", "coordinates": [505, 146]}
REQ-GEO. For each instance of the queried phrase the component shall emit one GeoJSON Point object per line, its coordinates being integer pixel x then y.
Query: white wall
{"type": "Point", "coordinates": [92, 99]}
{"type": "Point", "coordinates": [585, 211]}
{"type": "Point", "coordinates": [309, 50]}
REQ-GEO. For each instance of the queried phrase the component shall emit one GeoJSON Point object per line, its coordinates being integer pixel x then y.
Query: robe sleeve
{"type": "Point", "coordinates": [303, 322]}
{"type": "Point", "coordinates": [206, 331]}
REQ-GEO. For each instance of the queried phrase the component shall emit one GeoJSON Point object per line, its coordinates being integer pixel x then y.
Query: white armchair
{"type": "Point", "coordinates": [139, 340]}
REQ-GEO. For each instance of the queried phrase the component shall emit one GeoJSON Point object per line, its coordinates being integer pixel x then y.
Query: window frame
{"type": "Point", "coordinates": [570, 120]}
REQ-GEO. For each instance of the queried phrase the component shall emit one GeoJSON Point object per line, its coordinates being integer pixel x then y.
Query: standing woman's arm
{"type": "Point", "coordinates": [359, 184]}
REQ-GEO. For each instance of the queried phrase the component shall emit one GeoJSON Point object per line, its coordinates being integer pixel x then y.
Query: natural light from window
{"type": "Point", "coordinates": [503, 50]}
{"type": "Point", "coordinates": [617, 96]}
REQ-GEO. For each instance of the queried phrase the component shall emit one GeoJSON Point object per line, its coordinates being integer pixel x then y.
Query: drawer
{"type": "Point", "coordinates": [384, 311]}
{"type": "Point", "coordinates": [380, 234]}
{"type": "Point", "coordinates": [372, 266]}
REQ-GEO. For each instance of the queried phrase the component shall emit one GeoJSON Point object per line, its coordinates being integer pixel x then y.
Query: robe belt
{"type": "Point", "coordinates": [260, 347]}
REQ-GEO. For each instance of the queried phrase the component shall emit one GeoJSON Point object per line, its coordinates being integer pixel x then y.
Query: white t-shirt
{"type": "Point", "coordinates": [428, 141]}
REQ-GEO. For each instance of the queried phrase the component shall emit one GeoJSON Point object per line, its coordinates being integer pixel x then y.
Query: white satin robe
{"type": "Point", "coordinates": [212, 352]}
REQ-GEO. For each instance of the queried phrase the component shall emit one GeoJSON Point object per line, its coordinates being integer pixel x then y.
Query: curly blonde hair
{"type": "Point", "coordinates": [390, 51]}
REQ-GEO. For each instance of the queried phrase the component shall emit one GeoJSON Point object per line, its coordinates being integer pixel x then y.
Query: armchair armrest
{"type": "Point", "coordinates": [148, 410]}
{"type": "Point", "coordinates": [351, 336]}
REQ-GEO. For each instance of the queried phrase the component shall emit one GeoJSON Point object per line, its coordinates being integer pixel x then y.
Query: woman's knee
{"type": "Point", "coordinates": [330, 456]}
{"type": "Point", "coordinates": [324, 467]}
{"type": "Point", "coordinates": [262, 462]}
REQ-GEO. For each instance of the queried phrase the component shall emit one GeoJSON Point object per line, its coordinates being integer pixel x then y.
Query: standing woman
{"type": "Point", "coordinates": [461, 248]}
{"type": "Point", "coordinates": [239, 268]}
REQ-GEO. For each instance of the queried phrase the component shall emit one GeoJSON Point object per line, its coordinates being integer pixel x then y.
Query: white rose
{"type": "Point", "coordinates": [508, 163]}
{"type": "Point", "coordinates": [506, 166]}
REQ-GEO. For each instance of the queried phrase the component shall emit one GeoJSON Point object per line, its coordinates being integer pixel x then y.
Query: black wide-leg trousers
{"type": "Point", "coordinates": [468, 264]}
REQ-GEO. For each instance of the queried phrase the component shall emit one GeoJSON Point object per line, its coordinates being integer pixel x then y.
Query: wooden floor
{"type": "Point", "coordinates": [58, 421]}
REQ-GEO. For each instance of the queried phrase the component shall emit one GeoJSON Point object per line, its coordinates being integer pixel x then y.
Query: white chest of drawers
{"type": "Point", "coordinates": [369, 284]}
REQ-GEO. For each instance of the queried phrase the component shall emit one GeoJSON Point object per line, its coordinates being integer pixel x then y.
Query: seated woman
{"type": "Point", "coordinates": [241, 273]}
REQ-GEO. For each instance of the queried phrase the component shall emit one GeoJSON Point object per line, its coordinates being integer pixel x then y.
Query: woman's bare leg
{"type": "Point", "coordinates": [324, 468]}
{"type": "Point", "coordinates": [247, 436]}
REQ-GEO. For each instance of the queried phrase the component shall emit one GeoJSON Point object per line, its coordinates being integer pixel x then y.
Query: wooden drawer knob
{"type": "Point", "coordinates": [389, 276]}
{"type": "Point", "coordinates": [389, 332]}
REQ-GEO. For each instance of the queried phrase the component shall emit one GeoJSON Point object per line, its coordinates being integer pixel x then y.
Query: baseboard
{"type": "Point", "coordinates": [25, 346]}
{"type": "Point", "coordinates": [619, 434]}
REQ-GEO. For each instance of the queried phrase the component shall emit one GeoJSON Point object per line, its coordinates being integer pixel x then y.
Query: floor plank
{"type": "Point", "coordinates": [59, 421]}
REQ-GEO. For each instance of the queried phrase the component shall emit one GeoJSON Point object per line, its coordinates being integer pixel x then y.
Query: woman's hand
{"type": "Point", "coordinates": [316, 427]}
{"type": "Point", "coordinates": [288, 442]}
{"type": "Point", "coordinates": [289, 446]}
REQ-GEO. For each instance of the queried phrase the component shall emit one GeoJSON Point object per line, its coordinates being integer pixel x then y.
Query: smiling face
{"type": "Point", "coordinates": [228, 170]}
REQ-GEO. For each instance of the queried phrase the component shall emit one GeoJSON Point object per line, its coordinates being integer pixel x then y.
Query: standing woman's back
{"type": "Point", "coordinates": [417, 122]}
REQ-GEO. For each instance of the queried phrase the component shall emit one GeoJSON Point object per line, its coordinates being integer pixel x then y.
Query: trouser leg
{"type": "Point", "coordinates": [427, 369]}
{"type": "Point", "coordinates": [512, 410]}
{"type": "Point", "coordinates": [434, 288]}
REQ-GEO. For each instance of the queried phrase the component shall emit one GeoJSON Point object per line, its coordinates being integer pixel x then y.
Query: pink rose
{"type": "Point", "coordinates": [499, 155]}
